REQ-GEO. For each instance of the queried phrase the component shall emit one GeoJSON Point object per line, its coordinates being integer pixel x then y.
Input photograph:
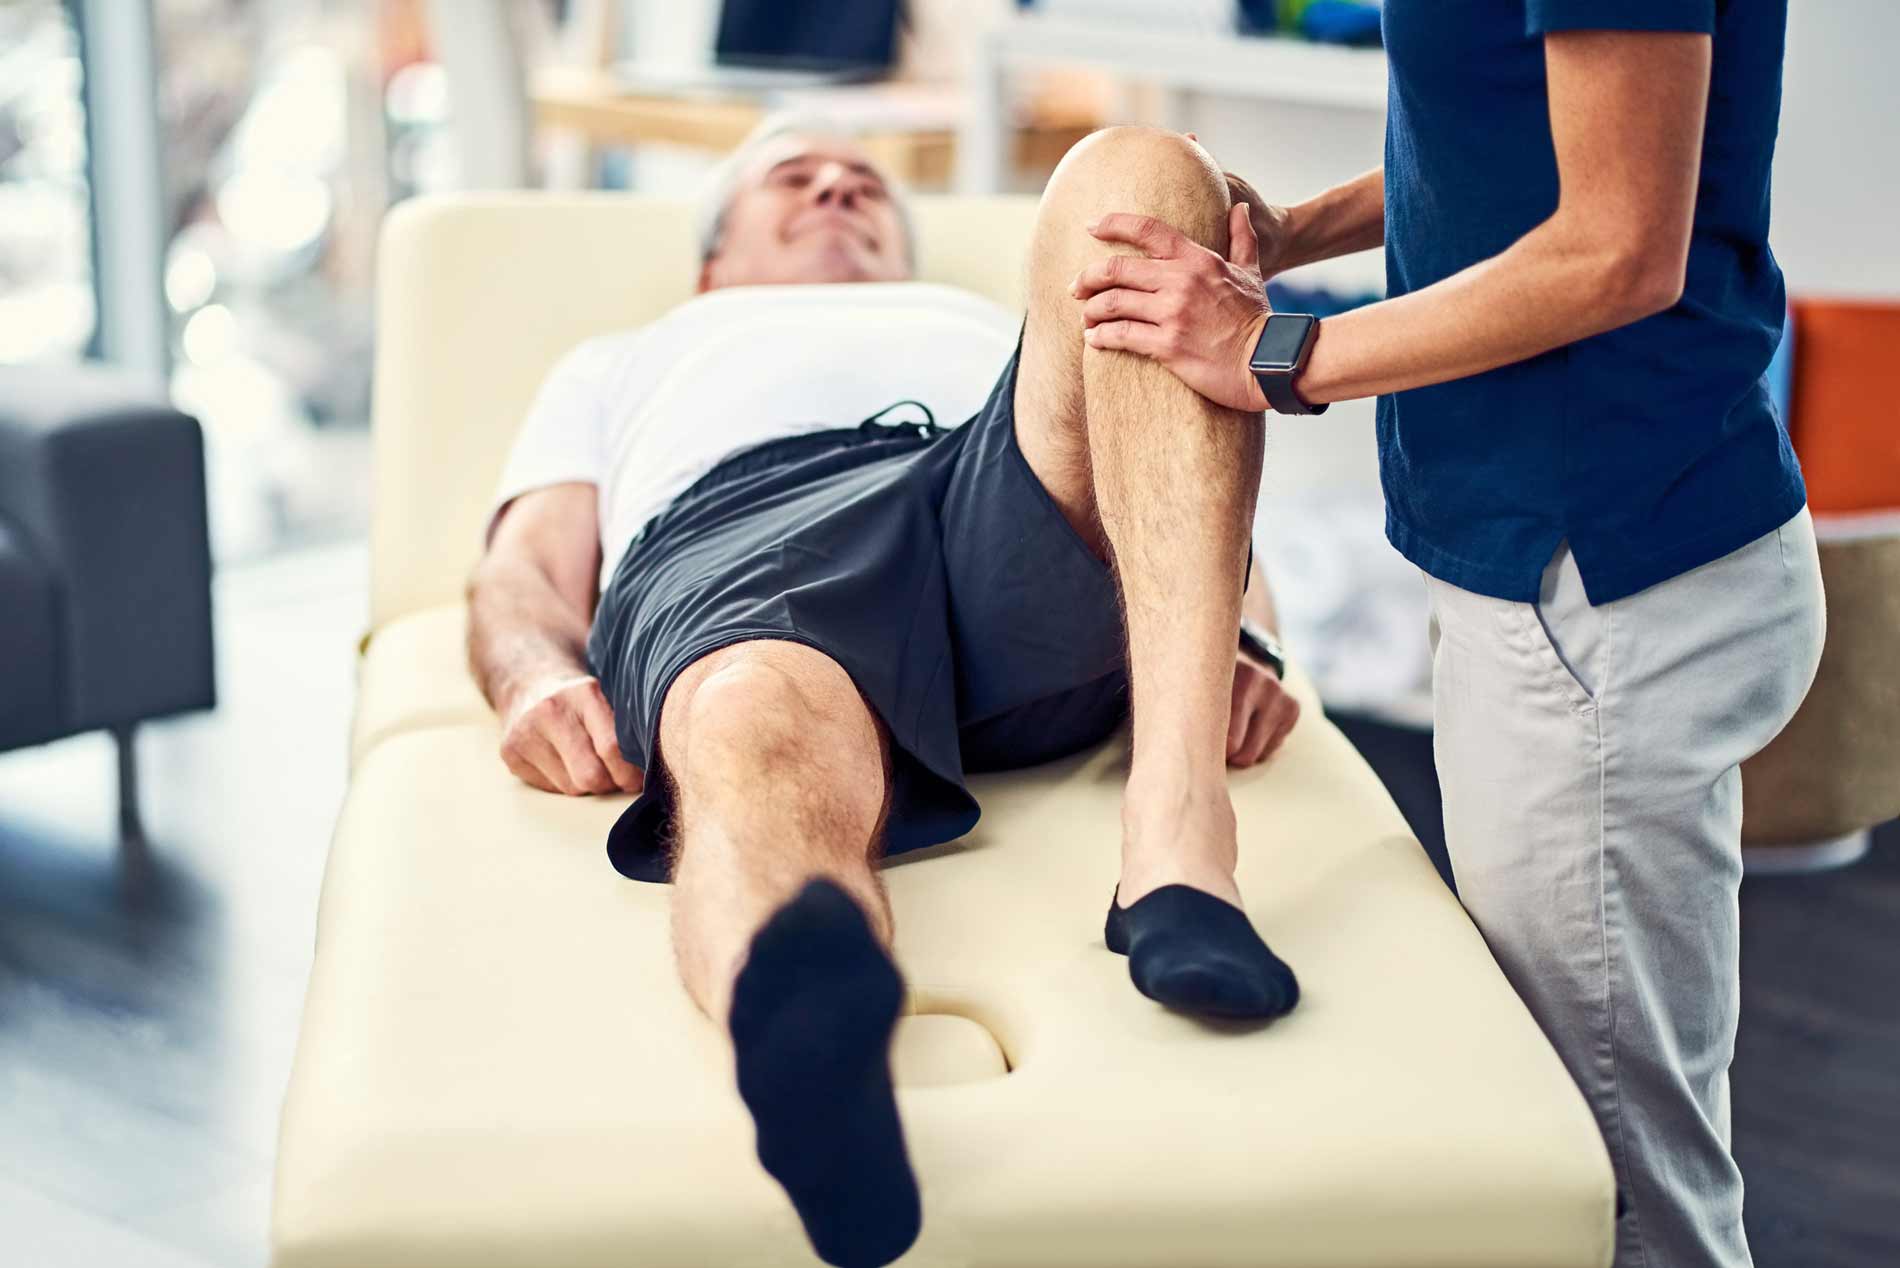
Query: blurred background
{"type": "Point", "coordinates": [190, 197]}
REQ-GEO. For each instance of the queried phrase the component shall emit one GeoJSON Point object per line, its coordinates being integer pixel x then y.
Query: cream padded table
{"type": "Point", "coordinates": [498, 1067]}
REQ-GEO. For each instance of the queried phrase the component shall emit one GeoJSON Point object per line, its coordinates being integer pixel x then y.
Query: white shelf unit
{"type": "Point", "coordinates": [1182, 64]}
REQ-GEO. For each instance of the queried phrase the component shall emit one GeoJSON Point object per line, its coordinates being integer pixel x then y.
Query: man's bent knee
{"type": "Point", "coordinates": [1150, 171]}
{"type": "Point", "coordinates": [1144, 171]}
{"type": "Point", "coordinates": [1147, 171]}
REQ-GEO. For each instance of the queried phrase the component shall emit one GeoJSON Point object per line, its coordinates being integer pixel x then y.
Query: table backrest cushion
{"type": "Point", "coordinates": [479, 295]}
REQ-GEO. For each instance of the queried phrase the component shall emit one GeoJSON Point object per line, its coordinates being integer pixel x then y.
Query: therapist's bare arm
{"type": "Point", "coordinates": [1626, 111]}
{"type": "Point", "coordinates": [1344, 219]}
{"type": "Point", "coordinates": [531, 600]}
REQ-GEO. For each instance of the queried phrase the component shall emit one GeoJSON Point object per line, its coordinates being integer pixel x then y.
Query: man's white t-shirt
{"type": "Point", "coordinates": [644, 413]}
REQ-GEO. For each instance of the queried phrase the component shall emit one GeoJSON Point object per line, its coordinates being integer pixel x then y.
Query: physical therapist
{"type": "Point", "coordinates": [1578, 449]}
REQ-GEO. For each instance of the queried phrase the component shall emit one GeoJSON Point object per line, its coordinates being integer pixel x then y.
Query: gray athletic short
{"type": "Point", "coordinates": [930, 563]}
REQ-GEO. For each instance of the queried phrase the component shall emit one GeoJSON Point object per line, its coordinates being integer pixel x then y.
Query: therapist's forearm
{"type": "Point", "coordinates": [1556, 285]}
{"type": "Point", "coordinates": [1344, 219]}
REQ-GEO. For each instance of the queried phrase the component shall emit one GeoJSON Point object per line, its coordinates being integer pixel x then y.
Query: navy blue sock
{"type": "Point", "coordinates": [812, 1015]}
{"type": "Point", "coordinates": [1198, 953]}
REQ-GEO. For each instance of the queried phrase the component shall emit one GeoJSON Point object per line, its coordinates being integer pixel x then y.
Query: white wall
{"type": "Point", "coordinates": [1290, 153]}
{"type": "Point", "coordinates": [1837, 164]}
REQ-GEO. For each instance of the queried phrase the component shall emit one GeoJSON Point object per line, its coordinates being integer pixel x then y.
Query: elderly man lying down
{"type": "Point", "coordinates": [740, 564]}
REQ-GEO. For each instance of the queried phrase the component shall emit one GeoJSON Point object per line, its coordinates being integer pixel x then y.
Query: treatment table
{"type": "Point", "coordinates": [498, 1066]}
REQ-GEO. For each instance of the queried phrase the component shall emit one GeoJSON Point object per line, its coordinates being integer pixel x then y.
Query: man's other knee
{"type": "Point", "coordinates": [1149, 171]}
{"type": "Point", "coordinates": [783, 717]}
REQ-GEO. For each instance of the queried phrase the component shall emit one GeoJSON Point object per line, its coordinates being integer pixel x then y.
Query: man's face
{"type": "Point", "coordinates": [809, 209]}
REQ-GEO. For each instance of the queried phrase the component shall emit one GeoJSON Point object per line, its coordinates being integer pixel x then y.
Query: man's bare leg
{"type": "Point", "coordinates": [1166, 481]}
{"type": "Point", "coordinates": [1163, 483]}
{"type": "Point", "coordinates": [780, 776]}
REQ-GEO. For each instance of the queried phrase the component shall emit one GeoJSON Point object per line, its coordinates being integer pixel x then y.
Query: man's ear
{"type": "Point", "coordinates": [705, 275]}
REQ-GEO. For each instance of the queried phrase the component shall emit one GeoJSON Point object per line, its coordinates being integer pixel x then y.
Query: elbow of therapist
{"type": "Point", "coordinates": [1633, 272]}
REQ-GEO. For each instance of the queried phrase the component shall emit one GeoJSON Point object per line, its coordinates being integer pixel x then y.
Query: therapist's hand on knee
{"type": "Point", "coordinates": [559, 737]}
{"type": "Point", "coordinates": [1263, 714]}
{"type": "Point", "coordinates": [1179, 303]}
{"type": "Point", "coordinates": [1270, 225]}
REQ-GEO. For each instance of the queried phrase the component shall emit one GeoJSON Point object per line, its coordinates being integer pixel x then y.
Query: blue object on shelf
{"type": "Point", "coordinates": [1340, 22]}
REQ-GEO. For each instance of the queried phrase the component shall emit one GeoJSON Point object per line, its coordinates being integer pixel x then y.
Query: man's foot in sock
{"type": "Point", "coordinates": [812, 1013]}
{"type": "Point", "coordinates": [1189, 944]}
{"type": "Point", "coordinates": [1200, 954]}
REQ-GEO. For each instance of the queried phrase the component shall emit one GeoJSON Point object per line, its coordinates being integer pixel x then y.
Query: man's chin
{"type": "Point", "coordinates": [843, 275]}
{"type": "Point", "coordinates": [829, 259]}
{"type": "Point", "coordinates": [826, 259]}
{"type": "Point", "coordinates": [835, 261]}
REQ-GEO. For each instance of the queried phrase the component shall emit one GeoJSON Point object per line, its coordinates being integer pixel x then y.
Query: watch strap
{"type": "Point", "coordinates": [1263, 647]}
{"type": "Point", "coordinates": [1278, 389]}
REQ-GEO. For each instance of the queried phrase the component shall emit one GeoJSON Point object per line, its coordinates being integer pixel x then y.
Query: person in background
{"type": "Point", "coordinates": [1579, 451]}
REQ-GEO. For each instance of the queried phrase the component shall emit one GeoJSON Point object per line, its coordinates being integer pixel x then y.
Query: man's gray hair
{"type": "Point", "coordinates": [723, 183]}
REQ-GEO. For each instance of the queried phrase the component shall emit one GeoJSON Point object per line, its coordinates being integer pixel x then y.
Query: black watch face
{"type": "Point", "coordinates": [1280, 342]}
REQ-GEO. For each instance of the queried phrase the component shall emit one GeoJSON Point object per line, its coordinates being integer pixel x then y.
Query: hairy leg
{"type": "Point", "coordinates": [781, 778]}
{"type": "Point", "coordinates": [780, 774]}
{"type": "Point", "coordinates": [1165, 483]}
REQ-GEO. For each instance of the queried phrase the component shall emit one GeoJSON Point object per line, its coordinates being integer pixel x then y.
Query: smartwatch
{"type": "Point", "coordinates": [1279, 357]}
{"type": "Point", "coordinates": [1260, 644]}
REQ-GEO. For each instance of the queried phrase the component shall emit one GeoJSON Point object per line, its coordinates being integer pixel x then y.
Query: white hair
{"type": "Point", "coordinates": [709, 217]}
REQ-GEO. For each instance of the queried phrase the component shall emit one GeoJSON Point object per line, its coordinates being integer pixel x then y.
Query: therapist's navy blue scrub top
{"type": "Point", "coordinates": [1654, 448]}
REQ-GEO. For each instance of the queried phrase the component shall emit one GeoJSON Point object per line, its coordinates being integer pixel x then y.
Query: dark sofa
{"type": "Point", "coordinates": [105, 564]}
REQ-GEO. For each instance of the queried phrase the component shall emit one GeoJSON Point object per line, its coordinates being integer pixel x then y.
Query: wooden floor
{"type": "Point", "coordinates": [148, 1015]}
{"type": "Point", "coordinates": [1817, 1066]}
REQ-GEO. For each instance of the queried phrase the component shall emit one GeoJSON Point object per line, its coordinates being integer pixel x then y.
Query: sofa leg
{"type": "Point", "coordinates": [131, 828]}
{"type": "Point", "coordinates": [1809, 856]}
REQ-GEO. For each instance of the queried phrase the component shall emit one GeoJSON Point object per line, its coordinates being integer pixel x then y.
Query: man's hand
{"type": "Point", "coordinates": [1180, 304]}
{"type": "Point", "coordinates": [559, 736]}
{"type": "Point", "coordinates": [1264, 712]}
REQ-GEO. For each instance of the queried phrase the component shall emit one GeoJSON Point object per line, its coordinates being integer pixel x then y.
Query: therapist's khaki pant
{"type": "Point", "coordinates": [1593, 808]}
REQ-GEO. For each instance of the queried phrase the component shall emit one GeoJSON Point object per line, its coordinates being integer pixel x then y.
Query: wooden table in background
{"type": "Point", "coordinates": [593, 106]}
